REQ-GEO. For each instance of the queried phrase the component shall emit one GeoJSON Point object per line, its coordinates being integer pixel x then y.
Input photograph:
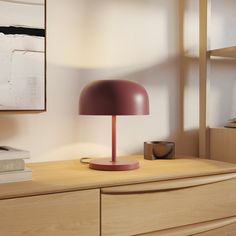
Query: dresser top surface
{"type": "Point", "coordinates": [62, 176]}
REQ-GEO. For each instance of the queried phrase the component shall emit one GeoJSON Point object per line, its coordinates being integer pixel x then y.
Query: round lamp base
{"type": "Point", "coordinates": [107, 164]}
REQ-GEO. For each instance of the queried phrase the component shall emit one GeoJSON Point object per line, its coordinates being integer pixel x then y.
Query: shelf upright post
{"type": "Point", "coordinates": [204, 58]}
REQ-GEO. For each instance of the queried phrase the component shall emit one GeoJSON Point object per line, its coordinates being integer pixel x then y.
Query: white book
{"type": "Point", "coordinates": [232, 120]}
{"type": "Point", "coordinates": [16, 176]}
{"type": "Point", "coordinates": [230, 125]}
{"type": "Point", "coordinates": [12, 165]}
{"type": "Point", "coordinates": [9, 153]}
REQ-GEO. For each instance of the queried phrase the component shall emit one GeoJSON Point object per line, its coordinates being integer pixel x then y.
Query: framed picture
{"type": "Point", "coordinates": [22, 55]}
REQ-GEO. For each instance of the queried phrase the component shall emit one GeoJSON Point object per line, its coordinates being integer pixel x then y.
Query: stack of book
{"type": "Point", "coordinates": [231, 123]}
{"type": "Point", "coordinates": [12, 165]}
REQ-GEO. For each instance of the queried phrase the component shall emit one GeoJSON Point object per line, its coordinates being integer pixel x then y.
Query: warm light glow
{"type": "Point", "coordinates": [77, 151]}
{"type": "Point", "coordinates": [191, 29]}
{"type": "Point", "coordinates": [126, 35]}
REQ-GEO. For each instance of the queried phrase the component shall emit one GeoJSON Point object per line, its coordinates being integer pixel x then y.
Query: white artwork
{"type": "Point", "coordinates": [22, 55]}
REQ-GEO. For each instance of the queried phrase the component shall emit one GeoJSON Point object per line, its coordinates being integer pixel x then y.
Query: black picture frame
{"type": "Point", "coordinates": [37, 33]}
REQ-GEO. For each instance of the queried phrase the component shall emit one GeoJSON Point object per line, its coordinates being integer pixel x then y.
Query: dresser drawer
{"type": "Point", "coordinates": [63, 214]}
{"type": "Point", "coordinates": [149, 207]}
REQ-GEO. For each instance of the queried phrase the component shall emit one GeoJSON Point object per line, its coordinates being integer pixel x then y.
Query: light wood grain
{"type": "Point", "coordinates": [65, 214]}
{"type": "Point", "coordinates": [224, 52]}
{"type": "Point", "coordinates": [222, 144]}
{"type": "Point", "coordinates": [204, 82]}
{"type": "Point", "coordinates": [53, 177]}
{"type": "Point", "coordinates": [222, 227]}
{"type": "Point", "coordinates": [168, 185]}
{"type": "Point", "coordinates": [57, 207]}
{"type": "Point", "coordinates": [130, 214]}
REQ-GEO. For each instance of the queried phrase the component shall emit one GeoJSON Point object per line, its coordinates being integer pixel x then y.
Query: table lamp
{"type": "Point", "coordinates": [113, 98]}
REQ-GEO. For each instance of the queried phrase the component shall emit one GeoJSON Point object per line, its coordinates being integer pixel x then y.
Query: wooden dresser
{"type": "Point", "coordinates": [180, 197]}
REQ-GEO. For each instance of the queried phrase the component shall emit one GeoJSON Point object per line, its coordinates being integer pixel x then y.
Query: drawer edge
{"type": "Point", "coordinates": [168, 184]}
{"type": "Point", "coordinates": [194, 229]}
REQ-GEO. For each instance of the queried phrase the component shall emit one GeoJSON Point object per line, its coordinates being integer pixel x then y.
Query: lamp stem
{"type": "Point", "coordinates": [113, 138]}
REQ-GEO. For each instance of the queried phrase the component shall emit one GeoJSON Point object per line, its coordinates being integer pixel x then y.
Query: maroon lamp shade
{"type": "Point", "coordinates": [113, 97]}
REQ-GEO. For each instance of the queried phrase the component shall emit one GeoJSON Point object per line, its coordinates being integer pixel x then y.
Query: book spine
{"type": "Point", "coordinates": [9, 153]}
{"type": "Point", "coordinates": [16, 176]}
{"type": "Point", "coordinates": [12, 165]}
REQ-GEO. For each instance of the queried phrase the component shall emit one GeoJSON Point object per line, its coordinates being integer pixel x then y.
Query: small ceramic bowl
{"type": "Point", "coordinates": [159, 150]}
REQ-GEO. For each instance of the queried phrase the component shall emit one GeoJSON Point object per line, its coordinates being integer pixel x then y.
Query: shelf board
{"type": "Point", "coordinates": [229, 52]}
{"type": "Point", "coordinates": [229, 129]}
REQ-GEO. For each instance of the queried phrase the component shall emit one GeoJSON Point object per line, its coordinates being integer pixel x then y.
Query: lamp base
{"type": "Point", "coordinates": [107, 164]}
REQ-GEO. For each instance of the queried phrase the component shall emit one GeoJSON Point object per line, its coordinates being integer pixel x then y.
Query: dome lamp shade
{"type": "Point", "coordinates": [113, 98]}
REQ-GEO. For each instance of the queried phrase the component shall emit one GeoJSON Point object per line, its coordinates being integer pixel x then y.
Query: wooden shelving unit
{"type": "Point", "coordinates": [217, 142]}
{"type": "Point", "coordinates": [222, 139]}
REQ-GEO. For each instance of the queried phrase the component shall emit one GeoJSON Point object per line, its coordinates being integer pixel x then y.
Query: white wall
{"type": "Point", "coordinates": [106, 39]}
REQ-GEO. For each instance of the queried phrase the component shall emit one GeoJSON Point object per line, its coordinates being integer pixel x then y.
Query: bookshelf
{"type": "Point", "coordinates": [214, 142]}
{"type": "Point", "coordinates": [222, 139]}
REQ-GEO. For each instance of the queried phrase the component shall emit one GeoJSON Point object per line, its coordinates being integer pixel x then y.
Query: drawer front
{"type": "Point", "coordinates": [130, 213]}
{"type": "Point", "coordinates": [63, 214]}
{"type": "Point", "coordinates": [221, 227]}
